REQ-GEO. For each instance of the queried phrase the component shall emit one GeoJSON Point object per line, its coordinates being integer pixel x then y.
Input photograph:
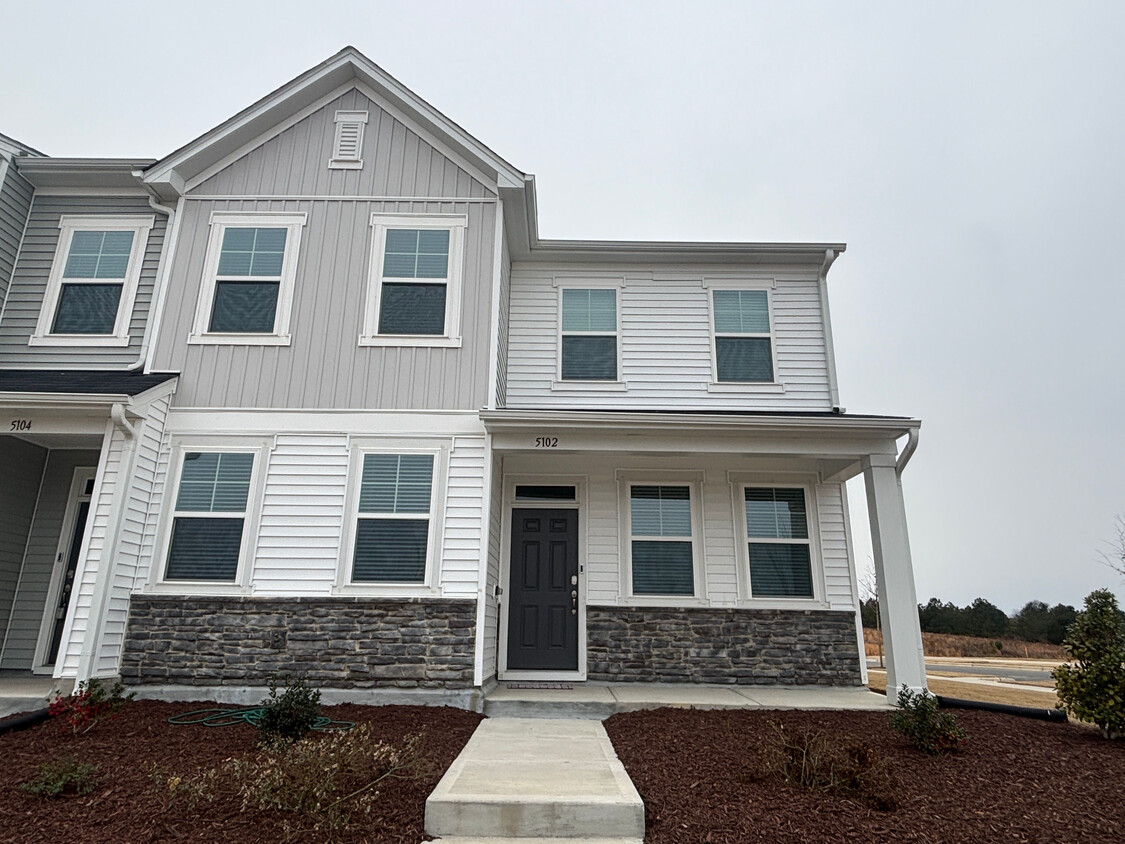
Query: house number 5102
{"type": "Point", "coordinates": [20, 425]}
{"type": "Point", "coordinates": [546, 442]}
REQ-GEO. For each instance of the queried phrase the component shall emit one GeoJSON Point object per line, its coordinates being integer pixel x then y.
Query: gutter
{"type": "Point", "coordinates": [163, 268]}
{"type": "Point", "coordinates": [830, 256]}
{"type": "Point", "coordinates": [907, 451]}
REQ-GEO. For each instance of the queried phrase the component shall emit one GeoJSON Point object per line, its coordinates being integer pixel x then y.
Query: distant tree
{"type": "Point", "coordinates": [869, 612]}
{"type": "Point", "coordinates": [937, 617]}
{"type": "Point", "coordinates": [1114, 555]}
{"type": "Point", "coordinates": [984, 618]}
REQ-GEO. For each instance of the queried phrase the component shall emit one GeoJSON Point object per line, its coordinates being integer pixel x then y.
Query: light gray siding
{"type": "Point", "coordinates": [502, 334]}
{"type": "Point", "coordinates": [665, 340]}
{"type": "Point", "coordinates": [29, 283]}
{"type": "Point", "coordinates": [39, 562]}
{"type": "Point", "coordinates": [15, 200]}
{"type": "Point", "coordinates": [22, 465]}
{"type": "Point", "coordinates": [396, 161]}
{"type": "Point", "coordinates": [324, 367]}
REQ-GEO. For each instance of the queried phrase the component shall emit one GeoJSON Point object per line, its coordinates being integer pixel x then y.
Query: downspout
{"type": "Point", "coordinates": [907, 451]}
{"type": "Point", "coordinates": [830, 255]}
{"type": "Point", "coordinates": [103, 584]}
{"type": "Point", "coordinates": [162, 268]}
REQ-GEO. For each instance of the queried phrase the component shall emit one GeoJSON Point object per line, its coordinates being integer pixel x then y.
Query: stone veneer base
{"type": "Point", "coordinates": [730, 646]}
{"type": "Point", "coordinates": [346, 642]}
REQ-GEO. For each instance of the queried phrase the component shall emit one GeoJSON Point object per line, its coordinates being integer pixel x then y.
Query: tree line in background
{"type": "Point", "coordinates": [1035, 622]}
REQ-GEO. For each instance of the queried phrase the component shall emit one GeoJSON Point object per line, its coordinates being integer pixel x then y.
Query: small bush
{"type": "Point", "coordinates": [290, 714]}
{"type": "Point", "coordinates": [63, 776]}
{"type": "Point", "coordinates": [818, 761]}
{"type": "Point", "coordinates": [92, 704]}
{"type": "Point", "coordinates": [1093, 688]}
{"type": "Point", "coordinates": [928, 729]}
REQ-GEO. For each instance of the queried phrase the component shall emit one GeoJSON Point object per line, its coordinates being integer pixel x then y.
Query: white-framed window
{"type": "Point", "coordinates": [393, 540]}
{"type": "Point", "coordinates": [743, 343]}
{"type": "Point", "coordinates": [414, 290]}
{"type": "Point", "coordinates": [347, 146]}
{"type": "Point", "coordinates": [588, 341]}
{"type": "Point", "coordinates": [93, 281]}
{"type": "Point", "coordinates": [211, 529]}
{"type": "Point", "coordinates": [778, 541]}
{"type": "Point", "coordinates": [662, 540]}
{"type": "Point", "coordinates": [246, 295]}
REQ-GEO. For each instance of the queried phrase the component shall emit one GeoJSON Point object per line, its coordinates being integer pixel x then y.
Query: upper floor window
{"type": "Point", "coordinates": [414, 294]}
{"type": "Point", "coordinates": [93, 281]}
{"type": "Point", "coordinates": [743, 341]}
{"type": "Point", "coordinates": [588, 336]}
{"type": "Point", "coordinates": [777, 531]}
{"type": "Point", "coordinates": [247, 290]}
{"type": "Point", "coordinates": [660, 540]}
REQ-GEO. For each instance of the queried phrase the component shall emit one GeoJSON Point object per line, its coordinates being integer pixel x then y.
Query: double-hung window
{"type": "Point", "coordinates": [660, 540]}
{"type": "Point", "coordinates": [777, 531]}
{"type": "Point", "coordinates": [743, 342]}
{"type": "Point", "coordinates": [394, 518]}
{"type": "Point", "coordinates": [93, 281]}
{"type": "Point", "coordinates": [414, 293]}
{"type": "Point", "coordinates": [588, 338]}
{"type": "Point", "coordinates": [209, 518]}
{"type": "Point", "coordinates": [248, 278]}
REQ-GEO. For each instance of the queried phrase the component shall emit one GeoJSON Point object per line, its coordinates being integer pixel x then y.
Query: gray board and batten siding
{"type": "Point", "coordinates": [33, 269]}
{"type": "Point", "coordinates": [324, 366]}
{"type": "Point", "coordinates": [23, 469]}
{"type": "Point", "coordinates": [15, 202]}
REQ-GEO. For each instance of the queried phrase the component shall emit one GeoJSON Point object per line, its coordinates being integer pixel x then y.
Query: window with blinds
{"type": "Point", "coordinates": [661, 540]}
{"type": "Point", "coordinates": [393, 521]}
{"type": "Point", "coordinates": [778, 533]}
{"type": "Point", "coordinates": [347, 148]}
{"type": "Point", "coordinates": [415, 276]}
{"type": "Point", "coordinates": [248, 280]}
{"type": "Point", "coordinates": [743, 343]}
{"type": "Point", "coordinates": [589, 335]}
{"type": "Point", "coordinates": [209, 516]}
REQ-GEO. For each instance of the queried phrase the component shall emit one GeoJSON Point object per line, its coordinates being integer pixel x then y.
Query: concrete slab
{"type": "Point", "coordinates": [25, 692]}
{"type": "Point", "coordinates": [643, 695]}
{"type": "Point", "coordinates": [765, 697]}
{"type": "Point", "coordinates": [536, 778]}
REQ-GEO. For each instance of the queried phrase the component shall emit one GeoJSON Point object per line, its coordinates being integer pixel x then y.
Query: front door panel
{"type": "Point", "coordinates": [543, 610]}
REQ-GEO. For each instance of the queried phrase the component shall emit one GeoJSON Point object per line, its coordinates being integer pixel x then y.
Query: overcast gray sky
{"type": "Point", "coordinates": [970, 154]}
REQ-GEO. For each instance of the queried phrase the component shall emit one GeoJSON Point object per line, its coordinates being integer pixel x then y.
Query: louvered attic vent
{"type": "Point", "coordinates": [349, 140]}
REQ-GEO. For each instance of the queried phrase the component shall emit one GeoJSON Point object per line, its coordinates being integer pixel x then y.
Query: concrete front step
{"type": "Point", "coordinates": [536, 778]}
{"type": "Point", "coordinates": [495, 840]}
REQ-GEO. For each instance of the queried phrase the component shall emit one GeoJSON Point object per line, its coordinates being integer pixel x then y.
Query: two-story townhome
{"type": "Point", "coordinates": [414, 449]}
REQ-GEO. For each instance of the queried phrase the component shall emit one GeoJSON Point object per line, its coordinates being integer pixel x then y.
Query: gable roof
{"type": "Point", "coordinates": [10, 146]}
{"type": "Point", "coordinates": [171, 174]}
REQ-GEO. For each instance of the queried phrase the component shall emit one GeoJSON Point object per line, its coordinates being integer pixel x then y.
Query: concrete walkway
{"type": "Point", "coordinates": [600, 700]}
{"type": "Point", "coordinates": [24, 692]}
{"type": "Point", "coordinates": [536, 778]}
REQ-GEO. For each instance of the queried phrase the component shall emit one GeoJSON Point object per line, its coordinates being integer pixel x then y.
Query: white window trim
{"type": "Point", "coordinates": [343, 119]}
{"type": "Point", "coordinates": [717, 386]}
{"type": "Point", "coordinates": [694, 482]}
{"type": "Point", "coordinates": [68, 225]}
{"type": "Point", "coordinates": [608, 385]}
{"type": "Point", "coordinates": [739, 483]}
{"type": "Point", "coordinates": [431, 585]}
{"type": "Point", "coordinates": [241, 585]}
{"type": "Point", "coordinates": [380, 222]}
{"type": "Point", "coordinates": [220, 221]}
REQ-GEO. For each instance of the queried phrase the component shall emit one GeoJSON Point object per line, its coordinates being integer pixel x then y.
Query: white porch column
{"type": "Point", "coordinates": [898, 601]}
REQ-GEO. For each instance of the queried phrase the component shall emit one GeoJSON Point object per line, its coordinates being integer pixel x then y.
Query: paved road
{"type": "Point", "coordinates": [1019, 675]}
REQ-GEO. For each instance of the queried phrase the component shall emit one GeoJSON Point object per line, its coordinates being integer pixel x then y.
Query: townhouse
{"type": "Point", "coordinates": [310, 395]}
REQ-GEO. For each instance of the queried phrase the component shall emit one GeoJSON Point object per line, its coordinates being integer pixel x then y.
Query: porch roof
{"type": "Point", "coordinates": [89, 382]}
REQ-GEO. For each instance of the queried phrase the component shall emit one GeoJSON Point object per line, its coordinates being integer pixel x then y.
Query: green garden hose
{"type": "Point", "coordinates": [230, 717]}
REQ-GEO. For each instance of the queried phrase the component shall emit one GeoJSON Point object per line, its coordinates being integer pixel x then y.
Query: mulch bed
{"type": "Point", "coordinates": [1014, 780]}
{"type": "Point", "coordinates": [127, 807]}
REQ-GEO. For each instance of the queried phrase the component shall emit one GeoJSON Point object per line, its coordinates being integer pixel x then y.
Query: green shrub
{"type": "Point", "coordinates": [1093, 688]}
{"type": "Point", "coordinates": [290, 714]}
{"type": "Point", "coordinates": [63, 776]}
{"type": "Point", "coordinates": [928, 729]}
{"type": "Point", "coordinates": [815, 760]}
{"type": "Point", "coordinates": [90, 705]}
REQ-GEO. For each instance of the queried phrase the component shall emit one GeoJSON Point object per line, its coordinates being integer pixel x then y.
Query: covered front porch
{"type": "Point", "coordinates": [703, 549]}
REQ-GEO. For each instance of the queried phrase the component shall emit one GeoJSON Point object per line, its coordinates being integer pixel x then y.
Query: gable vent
{"type": "Point", "coordinates": [349, 140]}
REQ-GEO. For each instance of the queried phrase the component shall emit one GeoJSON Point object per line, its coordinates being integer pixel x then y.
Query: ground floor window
{"type": "Point", "coordinates": [778, 538]}
{"type": "Point", "coordinates": [209, 516]}
{"type": "Point", "coordinates": [660, 541]}
{"type": "Point", "coordinates": [393, 519]}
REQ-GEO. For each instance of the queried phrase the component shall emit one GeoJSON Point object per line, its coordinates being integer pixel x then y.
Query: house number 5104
{"type": "Point", "coordinates": [546, 442]}
{"type": "Point", "coordinates": [20, 425]}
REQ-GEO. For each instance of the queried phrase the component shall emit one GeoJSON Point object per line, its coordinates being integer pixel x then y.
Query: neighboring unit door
{"type": "Point", "coordinates": [70, 546]}
{"type": "Point", "coordinates": [543, 589]}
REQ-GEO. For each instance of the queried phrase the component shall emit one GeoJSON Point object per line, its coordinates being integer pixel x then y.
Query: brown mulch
{"type": "Point", "coordinates": [1014, 780]}
{"type": "Point", "coordinates": [127, 807]}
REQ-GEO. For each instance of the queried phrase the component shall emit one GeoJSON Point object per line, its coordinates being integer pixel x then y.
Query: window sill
{"type": "Point", "coordinates": [671, 601]}
{"type": "Point", "coordinates": [782, 604]}
{"type": "Point", "coordinates": [745, 387]}
{"type": "Point", "coordinates": [411, 340]}
{"type": "Point", "coordinates": [584, 386]}
{"type": "Point", "coordinates": [195, 587]}
{"type": "Point", "coordinates": [78, 340]}
{"type": "Point", "coordinates": [239, 339]}
{"type": "Point", "coordinates": [387, 590]}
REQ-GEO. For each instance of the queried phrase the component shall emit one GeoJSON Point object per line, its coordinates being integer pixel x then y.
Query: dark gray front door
{"type": "Point", "coordinates": [68, 581]}
{"type": "Point", "coordinates": [543, 607]}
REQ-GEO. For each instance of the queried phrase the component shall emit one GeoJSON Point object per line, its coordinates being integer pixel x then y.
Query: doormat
{"type": "Point", "coordinates": [559, 686]}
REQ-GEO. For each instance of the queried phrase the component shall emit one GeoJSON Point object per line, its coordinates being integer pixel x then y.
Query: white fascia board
{"type": "Point", "coordinates": [156, 393]}
{"type": "Point", "coordinates": [668, 252]}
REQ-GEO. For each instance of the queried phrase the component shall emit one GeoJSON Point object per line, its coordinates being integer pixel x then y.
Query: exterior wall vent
{"type": "Point", "coordinates": [348, 146]}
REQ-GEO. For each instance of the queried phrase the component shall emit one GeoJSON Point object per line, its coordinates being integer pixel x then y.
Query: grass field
{"type": "Point", "coordinates": [950, 687]}
{"type": "Point", "coordinates": [941, 644]}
